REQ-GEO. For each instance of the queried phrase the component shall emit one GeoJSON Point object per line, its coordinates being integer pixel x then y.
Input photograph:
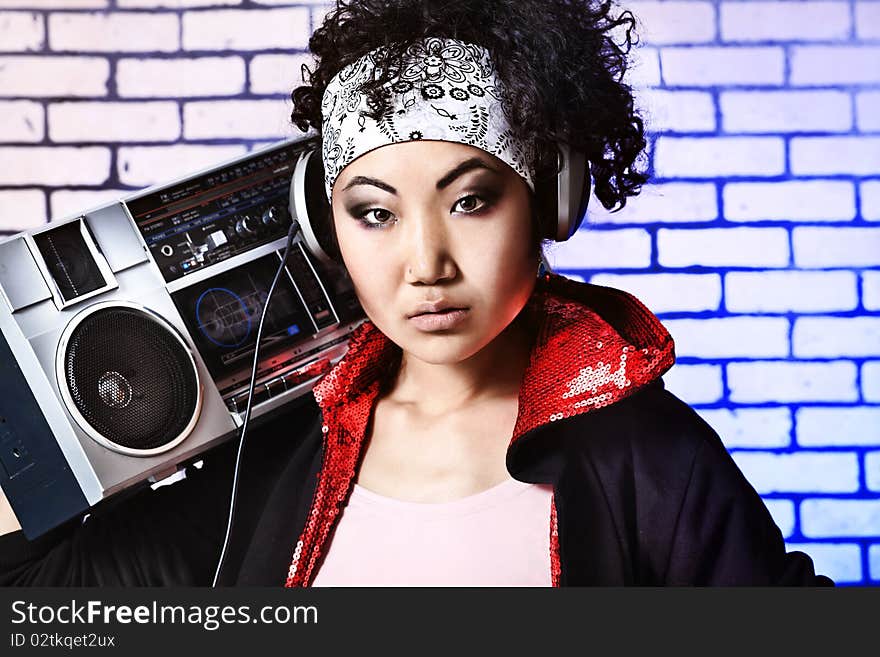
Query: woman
{"type": "Point", "coordinates": [487, 426]}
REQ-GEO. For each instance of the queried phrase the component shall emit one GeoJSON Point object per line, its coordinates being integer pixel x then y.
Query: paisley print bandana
{"type": "Point", "coordinates": [447, 90]}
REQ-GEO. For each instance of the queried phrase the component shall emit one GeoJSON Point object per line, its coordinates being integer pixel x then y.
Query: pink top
{"type": "Point", "coordinates": [498, 537]}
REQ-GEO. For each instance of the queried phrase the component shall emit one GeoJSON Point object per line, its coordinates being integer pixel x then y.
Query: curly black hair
{"type": "Point", "coordinates": [557, 60]}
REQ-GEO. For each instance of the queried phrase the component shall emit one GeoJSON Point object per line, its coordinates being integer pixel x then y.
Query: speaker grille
{"type": "Point", "coordinates": [69, 262]}
{"type": "Point", "coordinates": [130, 378]}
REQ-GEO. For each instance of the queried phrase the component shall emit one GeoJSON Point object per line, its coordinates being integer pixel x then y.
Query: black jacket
{"type": "Point", "coordinates": [644, 490]}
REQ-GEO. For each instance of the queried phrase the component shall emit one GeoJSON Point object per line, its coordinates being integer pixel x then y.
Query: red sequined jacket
{"type": "Point", "coordinates": [644, 491]}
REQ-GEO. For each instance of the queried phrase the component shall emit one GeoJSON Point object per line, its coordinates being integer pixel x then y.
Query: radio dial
{"type": "Point", "coordinates": [247, 226]}
{"type": "Point", "coordinates": [271, 216]}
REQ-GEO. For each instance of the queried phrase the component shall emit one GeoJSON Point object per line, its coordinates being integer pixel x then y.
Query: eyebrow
{"type": "Point", "coordinates": [459, 170]}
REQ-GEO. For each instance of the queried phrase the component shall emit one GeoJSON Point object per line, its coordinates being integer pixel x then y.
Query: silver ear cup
{"type": "Point", "coordinates": [307, 201]}
{"type": "Point", "coordinates": [572, 192]}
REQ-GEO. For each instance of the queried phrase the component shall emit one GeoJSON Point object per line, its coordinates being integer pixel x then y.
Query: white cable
{"type": "Point", "coordinates": [294, 228]}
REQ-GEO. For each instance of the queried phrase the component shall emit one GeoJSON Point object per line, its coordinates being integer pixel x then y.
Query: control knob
{"type": "Point", "coordinates": [247, 226]}
{"type": "Point", "coordinates": [272, 216]}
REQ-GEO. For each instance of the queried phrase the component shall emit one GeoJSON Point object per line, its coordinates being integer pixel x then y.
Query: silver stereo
{"type": "Point", "coordinates": [127, 332]}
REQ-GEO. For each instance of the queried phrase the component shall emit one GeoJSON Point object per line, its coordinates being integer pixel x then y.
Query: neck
{"type": "Point", "coordinates": [494, 371]}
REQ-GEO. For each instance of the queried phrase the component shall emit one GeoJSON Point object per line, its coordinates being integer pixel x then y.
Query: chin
{"type": "Point", "coordinates": [440, 348]}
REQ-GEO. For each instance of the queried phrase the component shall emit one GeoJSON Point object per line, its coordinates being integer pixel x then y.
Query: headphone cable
{"type": "Point", "coordinates": [294, 229]}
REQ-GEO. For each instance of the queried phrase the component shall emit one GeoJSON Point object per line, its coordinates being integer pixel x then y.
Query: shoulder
{"type": "Point", "coordinates": [649, 437]}
{"type": "Point", "coordinates": [652, 422]}
{"type": "Point", "coordinates": [651, 448]}
{"type": "Point", "coordinates": [656, 456]}
{"type": "Point", "coordinates": [680, 504]}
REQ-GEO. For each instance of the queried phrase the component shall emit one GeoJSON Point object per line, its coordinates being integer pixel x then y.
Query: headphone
{"type": "Point", "coordinates": [563, 199]}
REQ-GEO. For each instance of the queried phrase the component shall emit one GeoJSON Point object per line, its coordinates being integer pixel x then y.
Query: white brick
{"type": "Point", "coordinates": [668, 293]}
{"type": "Point", "coordinates": [21, 30]}
{"type": "Point", "coordinates": [63, 165]}
{"type": "Point", "coordinates": [791, 200]}
{"type": "Point", "coordinates": [114, 32]}
{"type": "Point", "coordinates": [825, 155]}
{"type": "Point", "coordinates": [868, 24]}
{"type": "Point", "coordinates": [836, 247]}
{"type": "Point", "coordinates": [750, 427]}
{"type": "Point", "coordinates": [110, 122]}
{"type": "Point", "coordinates": [783, 515]}
{"type": "Point", "coordinates": [871, 381]}
{"type": "Point", "coordinates": [254, 29]}
{"type": "Point", "coordinates": [142, 166]}
{"type": "Point", "coordinates": [602, 249]}
{"type": "Point", "coordinates": [68, 202]}
{"type": "Point", "coordinates": [173, 4]}
{"type": "Point", "coordinates": [730, 337]}
{"type": "Point", "coordinates": [723, 247]}
{"type": "Point", "coordinates": [695, 384]}
{"type": "Point", "coordinates": [833, 426]}
{"type": "Point", "coordinates": [715, 157]}
{"type": "Point", "coordinates": [180, 78]}
{"type": "Point", "coordinates": [868, 111]}
{"type": "Point", "coordinates": [842, 562]}
{"type": "Point", "coordinates": [803, 472]}
{"type": "Point", "coordinates": [790, 291]}
{"type": "Point", "coordinates": [243, 119]}
{"type": "Point", "coordinates": [674, 22]}
{"type": "Point", "coordinates": [871, 290]}
{"type": "Point", "coordinates": [870, 193]}
{"type": "Point", "coordinates": [676, 111]}
{"type": "Point", "coordinates": [835, 65]}
{"type": "Point", "coordinates": [54, 4]}
{"type": "Point", "coordinates": [275, 74]}
{"type": "Point", "coordinates": [783, 382]}
{"type": "Point", "coordinates": [830, 337]}
{"type": "Point", "coordinates": [874, 561]}
{"type": "Point", "coordinates": [53, 76]}
{"type": "Point", "coordinates": [786, 111]}
{"type": "Point", "coordinates": [784, 21]}
{"type": "Point", "coordinates": [643, 67]}
{"type": "Point", "coordinates": [825, 518]}
{"type": "Point", "coordinates": [21, 209]}
{"type": "Point", "coordinates": [710, 66]}
{"type": "Point", "coordinates": [21, 120]}
{"type": "Point", "coordinates": [666, 202]}
{"type": "Point", "coordinates": [872, 471]}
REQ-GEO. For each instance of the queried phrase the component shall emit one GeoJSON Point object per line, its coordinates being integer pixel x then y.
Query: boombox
{"type": "Point", "coordinates": [128, 331]}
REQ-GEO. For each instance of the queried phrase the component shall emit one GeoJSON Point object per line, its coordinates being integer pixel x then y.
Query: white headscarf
{"type": "Point", "coordinates": [447, 90]}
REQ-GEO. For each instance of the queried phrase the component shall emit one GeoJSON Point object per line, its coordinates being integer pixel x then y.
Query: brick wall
{"type": "Point", "coordinates": [101, 97]}
{"type": "Point", "coordinates": [756, 243]}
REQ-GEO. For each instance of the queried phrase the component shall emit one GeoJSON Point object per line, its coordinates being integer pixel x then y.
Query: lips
{"type": "Point", "coordinates": [430, 307]}
{"type": "Point", "coordinates": [448, 319]}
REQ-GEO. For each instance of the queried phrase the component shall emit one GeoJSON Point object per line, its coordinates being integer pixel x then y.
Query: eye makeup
{"type": "Point", "coordinates": [486, 199]}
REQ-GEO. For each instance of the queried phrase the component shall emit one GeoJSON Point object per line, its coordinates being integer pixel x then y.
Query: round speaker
{"type": "Point", "coordinates": [128, 378]}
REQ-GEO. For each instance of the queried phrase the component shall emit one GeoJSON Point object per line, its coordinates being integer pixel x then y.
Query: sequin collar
{"type": "Point", "coordinates": [595, 345]}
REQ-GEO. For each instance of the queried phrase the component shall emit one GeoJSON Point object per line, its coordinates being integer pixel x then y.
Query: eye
{"type": "Point", "coordinates": [381, 217]}
{"type": "Point", "coordinates": [470, 203]}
